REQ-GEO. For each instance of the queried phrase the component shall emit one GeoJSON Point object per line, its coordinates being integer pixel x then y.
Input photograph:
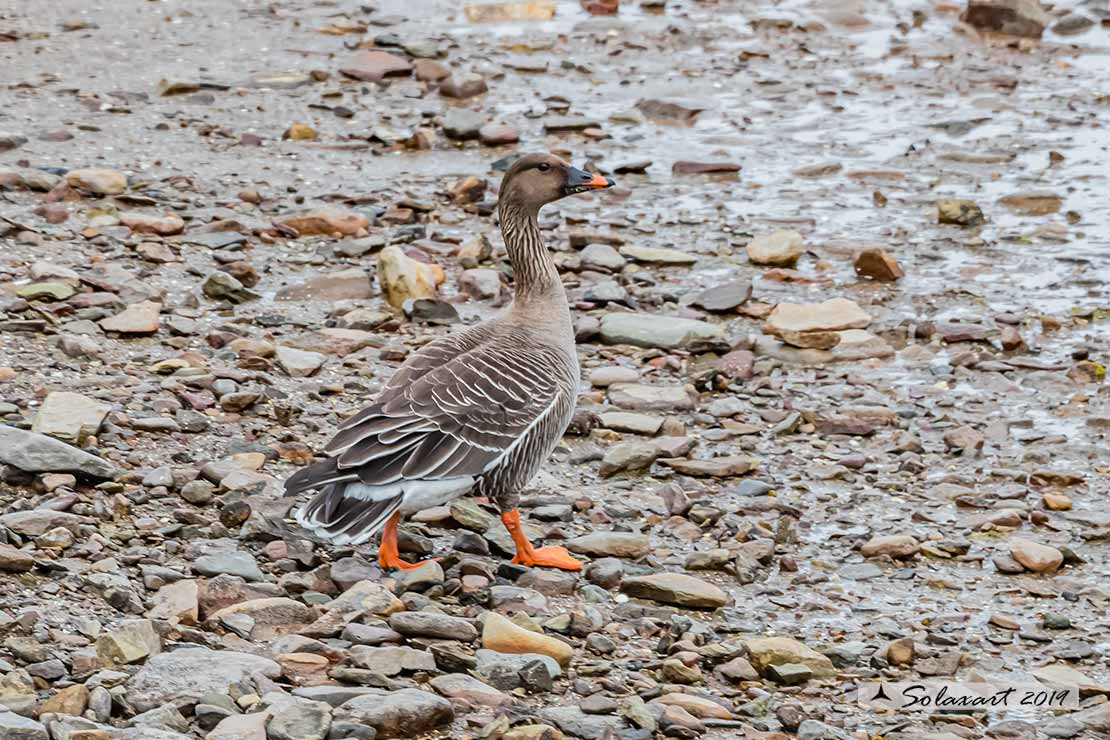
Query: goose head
{"type": "Point", "coordinates": [538, 179]}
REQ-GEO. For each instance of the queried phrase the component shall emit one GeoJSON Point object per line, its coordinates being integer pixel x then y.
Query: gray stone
{"type": "Point", "coordinates": [676, 588]}
{"type": "Point", "coordinates": [294, 718]}
{"type": "Point", "coordinates": [237, 563]}
{"type": "Point", "coordinates": [662, 332]}
{"type": "Point", "coordinates": [601, 257]}
{"type": "Point", "coordinates": [642, 397]}
{"type": "Point", "coordinates": [462, 124]}
{"type": "Point", "coordinates": [506, 671]}
{"type": "Point", "coordinates": [69, 417]}
{"type": "Point", "coordinates": [419, 579]}
{"type": "Point", "coordinates": [37, 453]}
{"type": "Point", "coordinates": [466, 688]}
{"type": "Point", "coordinates": [37, 522]}
{"type": "Point", "coordinates": [811, 729]}
{"type": "Point", "coordinates": [398, 714]}
{"type": "Point", "coordinates": [725, 297]}
{"type": "Point", "coordinates": [433, 624]}
{"type": "Point", "coordinates": [15, 727]}
{"type": "Point", "coordinates": [789, 673]}
{"type": "Point", "coordinates": [389, 661]}
{"type": "Point", "coordinates": [334, 695]}
{"type": "Point", "coordinates": [481, 283]}
{"type": "Point", "coordinates": [611, 544]}
{"type": "Point", "coordinates": [189, 674]}
{"type": "Point", "coordinates": [576, 723]}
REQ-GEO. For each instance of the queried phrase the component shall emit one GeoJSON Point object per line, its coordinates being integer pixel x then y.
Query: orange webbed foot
{"type": "Point", "coordinates": [396, 562]}
{"type": "Point", "coordinates": [551, 556]}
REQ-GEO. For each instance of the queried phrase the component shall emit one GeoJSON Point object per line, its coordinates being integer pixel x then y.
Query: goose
{"type": "Point", "coordinates": [476, 412]}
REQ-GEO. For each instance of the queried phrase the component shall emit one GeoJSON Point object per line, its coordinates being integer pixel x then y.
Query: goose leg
{"type": "Point", "coordinates": [388, 556]}
{"type": "Point", "coordinates": [550, 557]}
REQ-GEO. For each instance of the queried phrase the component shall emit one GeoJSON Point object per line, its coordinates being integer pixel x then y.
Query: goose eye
{"type": "Point", "coordinates": [544, 167]}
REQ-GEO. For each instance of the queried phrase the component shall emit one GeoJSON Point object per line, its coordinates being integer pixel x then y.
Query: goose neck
{"type": "Point", "coordinates": [533, 269]}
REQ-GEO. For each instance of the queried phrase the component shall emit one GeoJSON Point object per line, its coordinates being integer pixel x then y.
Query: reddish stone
{"type": "Point", "coordinates": [878, 265]}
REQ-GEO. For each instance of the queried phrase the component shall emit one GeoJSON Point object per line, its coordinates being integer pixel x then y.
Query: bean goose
{"type": "Point", "coordinates": [476, 412]}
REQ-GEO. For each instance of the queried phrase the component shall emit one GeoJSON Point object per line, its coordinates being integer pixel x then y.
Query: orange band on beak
{"type": "Point", "coordinates": [599, 182]}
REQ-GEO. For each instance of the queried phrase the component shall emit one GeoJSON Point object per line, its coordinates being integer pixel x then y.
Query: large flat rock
{"type": "Point", "coordinates": [37, 453]}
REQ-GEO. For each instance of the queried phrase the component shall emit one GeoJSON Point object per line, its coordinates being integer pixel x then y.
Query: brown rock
{"type": "Point", "coordinates": [718, 467]}
{"type": "Point", "coordinates": [167, 224]}
{"type": "Point", "coordinates": [1036, 557]}
{"type": "Point", "coordinates": [810, 339]}
{"type": "Point", "coordinates": [503, 636]}
{"type": "Point", "coordinates": [72, 700]}
{"type": "Point", "coordinates": [299, 132]}
{"type": "Point", "coordinates": [533, 10]}
{"type": "Point", "coordinates": [878, 265]}
{"type": "Point", "coordinates": [129, 642]}
{"type": "Point", "coordinates": [780, 248]}
{"type": "Point", "coordinates": [959, 212]}
{"type": "Point", "coordinates": [138, 318]}
{"type": "Point", "coordinates": [767, 651]}
{"type": "Point", "coordinates": [896, 546]}
{"type": "Point", "coordinates": [497, 134]}
{"type": "Point", "coordinates": [462, 687]}
{"type": "Point", "coordinates": [335, 341]}
{"type": "Point", "coordinates": [703, 168]}
{"type": "Point", "coordinates": [1012, 17]}
{"type": "Point", "coordinates": [97, 181]}
{"type": "Point", "coordinates": [466, 86]}
{"type": "Point", "coordinates": [965, 439]}
{"type": "Point", "coordinates": [836, 314]}
{"type": "Point", "coordinates": [900, 652]}
{"type": "Point", "coordinates": [1033, 203]}
{"type": "Point", "coordinates": [429, 70]}
{"type": "Point", "coordinates": [271, 617]}
{"type": "Point", "coordinates": [13, 560]}
{"type": "Point", "coordinates": [176, 602]}
{"type": "Point", "coordinates": [327, 222]}
{"type": "Point", "coordinates": [373, 66]}
{"type": "Point", "coordinates": [401, 277]}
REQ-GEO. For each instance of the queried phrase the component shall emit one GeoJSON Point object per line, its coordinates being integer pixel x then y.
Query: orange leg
{"type": "Point", "coordinates": [551, 556]}
{"type": "Point", "coordinates": [388, 557]}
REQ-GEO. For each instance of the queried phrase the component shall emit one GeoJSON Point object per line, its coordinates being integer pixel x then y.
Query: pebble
{"type": "Point", "coordinates": [878, 265]}
{"type": "Point", "coordinates": [767, 651]}
{"type": "Point", "coordinates": [168, 224]}
{"type": "Point", "coordinates": [896, 546]}
{"type": "Point", "coordinates": [503, 636]}
{"type": "Point", "coordinates": [38, 453]}
{"type": "Point", "coordinates": [371, 66]}
{"type": "Point", "coordinates": [403, 278]}
{"type": "Point", "coordinates": [397, 714]}
{"type": "Point", "coordinates": [676, 588]}
{"type": "Point", "coordinates": [1036, 557]}
{"type": "Point", "coordinates": [1013, 17]}
{"type": "Point", "coordinates": [779, 248]}
{"type": "Point", "coordinates": [70, 417]}
{"type": "Point", "coordinates": [138, 318]}
{"type": "Point", "coordinates": [610, 544]}
{"type": "Point", "coordinates": [725, 297]}
{"type": "Point", "coordinates": [97, 181]}
{"type": "Point", "coordinates": [327, 222]}
{"type": "Point", "coordinates": [465, 86]}
{"type": "Point", "coordinates": [959, 212]}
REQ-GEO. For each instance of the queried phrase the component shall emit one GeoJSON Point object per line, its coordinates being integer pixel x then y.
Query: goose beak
{"type": "Point", "coordinates": [580, 181]}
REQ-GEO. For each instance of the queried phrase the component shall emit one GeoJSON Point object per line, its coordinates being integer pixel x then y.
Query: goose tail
{"type": "Point", "coordinates": [335, 515]}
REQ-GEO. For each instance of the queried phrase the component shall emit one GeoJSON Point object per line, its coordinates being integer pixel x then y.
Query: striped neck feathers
{"type": "Point", "coordinates": [533, 269]}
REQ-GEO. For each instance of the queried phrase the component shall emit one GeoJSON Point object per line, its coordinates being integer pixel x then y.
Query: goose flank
{"type": "Point", "coordinates": [473, 413]}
